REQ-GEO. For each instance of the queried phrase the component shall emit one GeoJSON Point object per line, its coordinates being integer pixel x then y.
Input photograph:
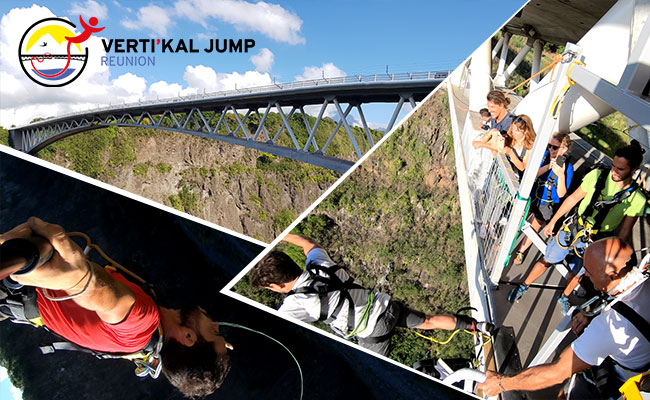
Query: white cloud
{"type": "Point", "coordinates": [164, 90]}
{"type": "Point", "coordinates": [90, 8]}
{"type": "Point", "coordinates": [16, 394]}
{"type": "Point", "coordinates": [206, 35]}
{"type": "Point", "coordinates": [263, 60]}
{"type": "Point", "coordinates": [269, 19]}
{"type": "Point", "coordinates": [3, 374]}
{"type": "Point", "coordinates": [118, 5]}
{"type": "Point", "coordinates": [206, 79]}
{"type": "Point", "coordinates": [151, 17]}
{"type": "Point", "coordinates": [328, 70]}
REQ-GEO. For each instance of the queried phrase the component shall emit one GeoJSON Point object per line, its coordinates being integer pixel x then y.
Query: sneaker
{"type": "Point", "coordinates": [516, 293]}
{"type": "Point", "coordinates": [519, 258]}
{"type": "Point", "coordinates": [563, 301]}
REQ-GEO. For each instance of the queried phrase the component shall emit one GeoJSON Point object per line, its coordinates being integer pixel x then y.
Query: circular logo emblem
{"type": "Point", "coordinates": [49, 54]}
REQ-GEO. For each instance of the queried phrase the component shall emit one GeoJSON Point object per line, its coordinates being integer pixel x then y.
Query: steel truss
{"type": "Point", "coordinates": [242, 122]}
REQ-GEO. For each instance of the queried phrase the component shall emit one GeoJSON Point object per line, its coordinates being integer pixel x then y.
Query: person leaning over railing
{"type": "Point", "coordinates": [553, 180]}
{"type": "Point", "coordinates": [608, 200]}
{"type": "Point", "coordinates": [518, 142]}
{"type": "Point", "coordinates": [615, 340]}
{"type": "Point", "coordinates": [499, 122]}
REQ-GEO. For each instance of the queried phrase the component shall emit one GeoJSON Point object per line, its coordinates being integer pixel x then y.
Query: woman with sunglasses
{"type": "Point", "coordinates": [553, 181]}
{"type": "Point", "coordinates": [517, 143]}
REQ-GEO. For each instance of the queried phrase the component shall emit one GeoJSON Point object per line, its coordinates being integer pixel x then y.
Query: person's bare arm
{"type": "Point", "coordinates": [535, 378]}
{"type": "Point", "coordinates": [69, 270]}
{"type": "Point", "coordinates": [626, 228]}
{"type": "Point", "coordinates": [570, 202]}
{"type": "Point", "coordinates": [542, 170]}
{"type": "Point", "coordinates": [301, 241]}
{"type": "Point", "coordinates": [519, 164]}
{"type": "Point", "coordinates": [560, 172]}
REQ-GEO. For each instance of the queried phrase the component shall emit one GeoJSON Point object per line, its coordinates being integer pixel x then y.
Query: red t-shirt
{"type": "Point", "coordinates": [84, 327]}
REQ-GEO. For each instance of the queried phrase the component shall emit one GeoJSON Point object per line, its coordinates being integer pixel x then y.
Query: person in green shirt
{"type": "Point", "coordinates": [623, 214]}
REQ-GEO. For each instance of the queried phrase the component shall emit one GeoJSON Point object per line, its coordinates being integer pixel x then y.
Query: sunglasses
{"type": "Point", "coordinates": [521, 122]}
{"type": "Point", "coordinates": [553, 147]}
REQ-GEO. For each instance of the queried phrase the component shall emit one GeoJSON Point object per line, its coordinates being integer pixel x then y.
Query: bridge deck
{"type": "Point", "coordinates": [537, 314]}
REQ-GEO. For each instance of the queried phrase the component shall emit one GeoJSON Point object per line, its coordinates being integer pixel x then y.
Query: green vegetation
{"type": "Point", "coordinates": [395, 223]}
{"type": "Point", "coordinates": [282, 219]}
{"type": "Point", "coordinates": [140, 169]}
{"type": "Point", "coordinates": [4, 136]}
{"type": "Point", "coordinates": [606, 134]}
{"type": "Point", "coordinates": [94, 153]}
{"type": "Point", "coordinates": [163, 168]}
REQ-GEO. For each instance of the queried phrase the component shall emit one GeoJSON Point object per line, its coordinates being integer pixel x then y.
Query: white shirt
{"type": "Point", "coordinates": [306, 306]}
{"type": "Point", "coordinates": [611, 334]}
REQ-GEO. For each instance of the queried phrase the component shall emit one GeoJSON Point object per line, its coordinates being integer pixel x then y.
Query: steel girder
{"type": "Point", "coordinates": [229, 124]}
{"type": "Point", "coordinates": [234, 116]}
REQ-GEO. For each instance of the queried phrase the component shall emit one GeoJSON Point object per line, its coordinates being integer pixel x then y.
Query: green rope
{"type": "Point", "coordinates": [276, 341]}
{"type": "Point", "coordinates": [363, 322]}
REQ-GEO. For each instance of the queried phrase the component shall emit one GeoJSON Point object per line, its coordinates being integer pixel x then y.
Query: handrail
{"type": "Point", "coordinates": [350, 79]}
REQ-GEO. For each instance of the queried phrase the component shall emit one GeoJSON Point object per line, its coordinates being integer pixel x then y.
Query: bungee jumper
{"type": "Point", "coordinates": [47, 280]}
{"type": "Point", "coordinates": [325, 292]}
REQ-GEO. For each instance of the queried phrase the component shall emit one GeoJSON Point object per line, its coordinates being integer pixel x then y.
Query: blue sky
{"type": "Point", "coordinates": [293, 40]}
{"type": "Point", "coordinates": [305, 38]}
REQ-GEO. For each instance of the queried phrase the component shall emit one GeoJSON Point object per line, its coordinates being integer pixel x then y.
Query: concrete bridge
{"type": "Point", "coordinates": [206, 115]}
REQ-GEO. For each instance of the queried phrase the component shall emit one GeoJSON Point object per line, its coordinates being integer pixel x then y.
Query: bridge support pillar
{"type": "Point", "coordinates": [499, 79]}
{"type": "Point", "coordinates": [515, 63]}
{"type": "Point", "coordinates": [538, 45]}
{"type": "Point", "coordinates": [480, 76]}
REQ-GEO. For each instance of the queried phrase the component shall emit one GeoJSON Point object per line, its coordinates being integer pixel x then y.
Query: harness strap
{"type": "Point", "coordinates": [602, 207]}
{"type": "Point", "coordinates": [639, 323]}
{"type": "Point", "coordinates": [330, 283]}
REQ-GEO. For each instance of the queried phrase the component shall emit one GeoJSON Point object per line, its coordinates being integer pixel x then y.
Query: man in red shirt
{"type": "Point", "coordinates": [104, 312]}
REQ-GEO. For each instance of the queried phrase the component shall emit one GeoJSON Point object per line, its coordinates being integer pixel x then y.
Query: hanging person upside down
{"type": "Point", "coordinates": [321, 292]}
{"type": "Point", "coordinates": [103, 313]}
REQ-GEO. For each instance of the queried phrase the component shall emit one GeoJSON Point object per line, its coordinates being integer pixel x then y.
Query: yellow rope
{"type": "Point", "coordinates": [434, 340]}
{"type": "Point", "coordinates": [555, 62]}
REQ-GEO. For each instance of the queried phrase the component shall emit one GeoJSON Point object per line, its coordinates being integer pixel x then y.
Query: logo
{"type": "Point", "coordinates": [51, 54]}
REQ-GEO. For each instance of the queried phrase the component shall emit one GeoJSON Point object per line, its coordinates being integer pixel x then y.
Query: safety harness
{"type": "Point", "coordinates": [579, 230]}
{"type": "Point", "coordinates": [19, 305]}
{"type": "Point", "coordinates": [324, 280]}
{"type": "Point", "coordinates": [633, 280]}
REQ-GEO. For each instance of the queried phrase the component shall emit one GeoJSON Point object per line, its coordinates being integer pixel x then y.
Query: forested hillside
{"type": "Point", "coordinates": [245, 190]}
{"type": "Point", "coordinates": [395, 223]}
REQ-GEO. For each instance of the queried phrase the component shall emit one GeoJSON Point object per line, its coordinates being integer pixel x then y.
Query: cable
{"type": "Point", "coordinates": [443, 342]}
{"type": "Point", "coordinates": [233, 325]}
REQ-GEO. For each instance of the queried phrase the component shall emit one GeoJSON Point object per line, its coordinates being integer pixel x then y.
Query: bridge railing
{"type": "Point", "coordinates": [350, 79]}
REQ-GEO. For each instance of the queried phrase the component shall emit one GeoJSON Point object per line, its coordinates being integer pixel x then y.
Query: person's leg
{"type": "Point", "coordinates": [572, 283]}
{"type": "Point", "coordinates": [538, 270]}
{"type": "Point", "coordinates": [536, 225]}
{"type": "Point", "coordinates": [446, 322]}
{"type": "Point", "coordinates": [379, 339]}
{"type": "Point", "coordinates": [554, 254]}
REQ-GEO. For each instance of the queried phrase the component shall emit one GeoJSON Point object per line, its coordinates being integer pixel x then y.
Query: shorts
{"type": "Point", "coordinates": [396, 314]}
{"type": "Point", "coordinates": [555, 254]}
{"type": "Point", "coordinates": [544, 211]}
